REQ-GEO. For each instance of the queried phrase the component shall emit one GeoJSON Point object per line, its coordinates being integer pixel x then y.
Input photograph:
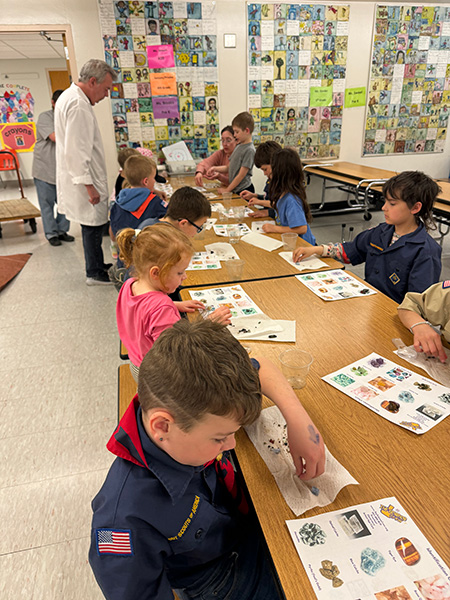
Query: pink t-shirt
{"type": "Point", "coordinates": [141, 319]}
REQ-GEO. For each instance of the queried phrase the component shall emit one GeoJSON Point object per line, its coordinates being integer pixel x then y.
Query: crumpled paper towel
{"type": "Point", "coordinates": [433, 366]}
{"type": "Point", "coordinates": [296, 492]}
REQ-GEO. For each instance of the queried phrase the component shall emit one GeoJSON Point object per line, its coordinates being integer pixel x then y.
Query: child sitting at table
{"type": "Point", "coordinates": [400, 256]}
{"type": "Point", "coordinates": [160, 255]}
{"type": "Point", "coordinates": [241, 161]}
{"type": "Point", "coordinates": [188, 211]}
{"type": "Point", "coordinates": [219, 158]}
{"type": "Point", "coordinates": [287, 193]}
{"type": "Point", "coordinates": [171, 513]}
{"type": "Point", "coordinates": [427, 315]}
{"type": "Point", "coordinates": [263, 158]}
{"type": "Point", "coordinates": [137, 203]}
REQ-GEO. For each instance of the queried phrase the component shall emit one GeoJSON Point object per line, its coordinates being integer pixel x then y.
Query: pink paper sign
{"type": "Point", "coordinates": [165, 107]}
{"type": "Point", "coordinates": [160, 57]}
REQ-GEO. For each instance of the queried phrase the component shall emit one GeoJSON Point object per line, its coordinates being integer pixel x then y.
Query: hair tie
{"type": "Point", "coordinates": [136, 233]}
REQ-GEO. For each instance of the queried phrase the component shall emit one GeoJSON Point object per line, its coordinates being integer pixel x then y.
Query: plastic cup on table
{"type": "Point", "coordinates": [295, 365]}
{"type": "Point", "coordinates": [234, 234]}
{"type": "Point", "coordinates": [239, 213]}
{"type": "Point", "coordinates": [289, 240]}
{"type": "Point", "coordinates": [235, 268]}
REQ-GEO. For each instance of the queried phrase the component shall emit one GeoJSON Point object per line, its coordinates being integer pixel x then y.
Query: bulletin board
{"type": "Point", "coordinates": [297, 56]}
{"type": "Point", "coordinates": [408, 98]}
{"type": "Point", "coordinates": [165, 54]}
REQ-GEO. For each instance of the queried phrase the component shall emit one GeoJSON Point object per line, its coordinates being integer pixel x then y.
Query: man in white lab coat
{"type": "Point", "coordinates": [81, 178]}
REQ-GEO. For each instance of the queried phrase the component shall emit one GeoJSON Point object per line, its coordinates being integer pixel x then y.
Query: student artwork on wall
{"type": "Point", "coordinates": [165, 54]}
{"type": "Point", "coordinates": [297, 55]}
{"type": "Point", "coordinates": [408, 99]}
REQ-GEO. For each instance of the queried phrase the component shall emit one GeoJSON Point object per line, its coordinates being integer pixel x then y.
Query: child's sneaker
{"type": "Point", "coordinates": [114, 250]}
{"type": "Point", "coordinates": [100, 279]}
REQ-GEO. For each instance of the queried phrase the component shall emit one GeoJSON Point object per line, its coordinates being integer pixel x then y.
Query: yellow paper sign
{"type": "Point", "coordinates": [355, 97]}
{"type": "Point", "coordinates": [163, 84]}
{"type": "Point", "coordinates": [321, 96]}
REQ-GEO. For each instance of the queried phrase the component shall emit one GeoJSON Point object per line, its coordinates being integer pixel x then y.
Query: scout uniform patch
{"type": "Point", "coordinates": [394, 278]}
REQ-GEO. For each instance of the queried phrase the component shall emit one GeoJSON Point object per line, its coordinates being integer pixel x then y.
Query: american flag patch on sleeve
{"type": "Point", "coordinates": [114, 541]}
{"type": "Point", "coordinates": [446, 284]}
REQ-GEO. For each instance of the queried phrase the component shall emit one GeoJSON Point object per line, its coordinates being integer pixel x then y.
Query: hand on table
{"type": "Point", "coordinates": [304, 252]}
{"type": "Point", "coordinates": [189, 306]}
{"type": "Point", "coordinates": [223, 190]}
{"type": "Point", "coordinates": [249, 196]}
{"type": "Point", "coordinates": [259, 214]}
{"type": "Point", "coordinates": [199, 179]}
{"type": "Point", "coordinates": [269, 227]}
{"type": "Point", "coordinates": [306, 446]}
{"type": "Point", "coordinates": [221, 315]}
{"type": "Point", "coordinates": [427, 340]}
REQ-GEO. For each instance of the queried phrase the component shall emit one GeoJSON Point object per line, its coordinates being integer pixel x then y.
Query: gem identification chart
{"type": "Point", "coordinates": [399, 395]}
{"type": "Point", "coordinates": [239, 303]}
{"type": "Point", "coordinates": [372, 550]}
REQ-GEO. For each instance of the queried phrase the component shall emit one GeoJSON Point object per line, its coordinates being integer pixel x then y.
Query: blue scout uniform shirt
{"type": "Point", "coordinates": [290, 213]}
{"type": "Point", "coordinates": [156, 522]}
{"type": "Point", "coordinates": [411, 264]}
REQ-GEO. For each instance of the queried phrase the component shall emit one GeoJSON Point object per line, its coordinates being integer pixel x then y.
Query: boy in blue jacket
{"type": "Point", "coordinates": [400, 255]}
{"type": "Point", "coordinates": [138, 203]}
{"type": "Point", "coordinates": [171, 514]}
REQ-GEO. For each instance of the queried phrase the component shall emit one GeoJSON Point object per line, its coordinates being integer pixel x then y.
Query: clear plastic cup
{"type": "Point", "coordinates": [227, 195]}
{"type": "Point", "coordinates": [234, 234]}
{"type": "Point", "coordinates": [295, 365]}
{"type": "Point", "coordinates": [239, 213]}
{"type": "Point", "coordinates": [235, 268]}
{"type": "Point", "coordinates": [289, 240]}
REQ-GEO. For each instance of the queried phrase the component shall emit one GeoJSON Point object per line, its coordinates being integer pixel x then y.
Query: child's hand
{"type": "Point", "coordinates": [199, 179]}
{"type": "Point", "coordinates": [306, 446]}
{"type": "Point", "coordinates": [427, 340]}
{"type": "Point", "coordinates": [259, 214]}
{"type": "Point", "coordinates": [249, 196]}
{"type": "Point", "coordinates": [305, 252]}
{"type": "Point", "coordinates": [221, 315]}
{"type": "Point", "coordinates": [189, 306]}
{"type": "Point", "coordinates": [268, 227]}
{"type": "Point", "coordinates": [222, 190]}
{"type": "Point", "coordinates": [162, 195]}
{"type": "Point", "coordinates": [211, 173]}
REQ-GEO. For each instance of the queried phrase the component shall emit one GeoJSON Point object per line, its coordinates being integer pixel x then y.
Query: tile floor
{"type": "Point", "coordinates": [58, 402]}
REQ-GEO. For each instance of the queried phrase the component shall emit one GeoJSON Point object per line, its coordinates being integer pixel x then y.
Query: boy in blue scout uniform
{"type": "Point", "coordinates": [170, 514]}
{"type": "Point", "coordinates": [400, 256]}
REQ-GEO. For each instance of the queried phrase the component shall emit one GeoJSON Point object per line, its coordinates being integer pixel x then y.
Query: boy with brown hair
{"type": "Point", "coordinates": [241, 161]}
{"type": "Point", "coordinates": [188, 210]}
{"type": "Point", "coordinates": [170, 514]}
{"type": "Point", "coordinates": [139, 202]}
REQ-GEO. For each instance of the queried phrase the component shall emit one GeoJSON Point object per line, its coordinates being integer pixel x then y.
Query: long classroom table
{"type": "Point", "coordinates": [385, 459]}
{"type": "Point", "coordinates": [259, 264]}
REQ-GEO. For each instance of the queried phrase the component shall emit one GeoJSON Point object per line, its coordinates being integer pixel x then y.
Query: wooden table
{"type": "Point", "coordinates": [385, 459]}
{"type": "Point", "coordinates": [359, 181]}
{"type": "Point", "coordinates": [259, 264]}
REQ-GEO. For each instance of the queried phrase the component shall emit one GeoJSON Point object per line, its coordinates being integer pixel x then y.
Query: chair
{"type": "Point", "coordinates": [9, 161]}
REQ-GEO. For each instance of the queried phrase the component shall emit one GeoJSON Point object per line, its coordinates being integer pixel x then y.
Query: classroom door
{"type": "Point", "coordinates": [59, 80]}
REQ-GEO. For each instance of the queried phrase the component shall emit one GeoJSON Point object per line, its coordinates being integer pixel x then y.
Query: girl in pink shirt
{"type": "Point", "coordinates": [160, 255]}
{"type": "Point", "coordinates": [219, 158]}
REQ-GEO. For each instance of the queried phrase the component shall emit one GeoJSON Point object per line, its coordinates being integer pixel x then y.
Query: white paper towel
{"type": "Point", "coordinates": [296, 492]}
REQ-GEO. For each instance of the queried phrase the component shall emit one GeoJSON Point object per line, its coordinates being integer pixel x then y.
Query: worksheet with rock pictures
{"type": "Point", "coordinates": [372, 550]}
{"type": "Point", "coordinates": [335, 285]}
{"type": "Point", "coordinates": [395, 393]}
{"type": "Point", "coordinates": [239, 303]}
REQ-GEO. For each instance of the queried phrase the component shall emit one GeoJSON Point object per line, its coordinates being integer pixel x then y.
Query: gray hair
{"type": "Point", "coordinates": [98, 69]}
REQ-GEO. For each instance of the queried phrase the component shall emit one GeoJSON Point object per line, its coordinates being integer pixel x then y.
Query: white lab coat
{"type": "Point", "coordinates": [80, 159]}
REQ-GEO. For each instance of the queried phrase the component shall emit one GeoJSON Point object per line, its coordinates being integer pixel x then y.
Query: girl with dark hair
{"type": "Point", "coordinates": [288, 196]}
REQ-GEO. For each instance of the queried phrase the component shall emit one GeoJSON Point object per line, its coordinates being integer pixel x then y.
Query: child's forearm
{"type": "Point", "coordinates": [335, 251]}
{"type": "Point", "coordinates": [237, 180]}
{"type": "Point", "coordinates": [222, 169]}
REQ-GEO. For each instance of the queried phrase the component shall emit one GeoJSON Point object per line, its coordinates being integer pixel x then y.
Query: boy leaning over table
{"type": "Point", "coordinates": [171, 514]}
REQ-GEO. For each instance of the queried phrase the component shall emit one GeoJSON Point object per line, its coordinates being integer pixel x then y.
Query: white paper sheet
{"type": "Point", "coordinates": [261, 241]}
{"type": "Point", "coordinates": [306, 264]}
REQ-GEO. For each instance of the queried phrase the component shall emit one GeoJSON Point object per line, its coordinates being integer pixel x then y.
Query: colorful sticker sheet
{"type": "Point", "coordinates": [335, 285]}
{"type": "Point", "coordinates": [297, 55]}
{"type": "Point", "coordinates": [204, 261]}
{"type": "Point", "coordinates": [16, 103]}
{"type": "Point", "coordinates": [165, 54]}
{"type": "Point", "coordinates": [395, 393]}
{"type": "Point", "coordinates": [239, 303]}
{"type": "Point", "coordinates": [372, 550]}
{"type": "Point", "coordinates": [223, 230]}
{"type": "Point", "coordinates": [408, 98]}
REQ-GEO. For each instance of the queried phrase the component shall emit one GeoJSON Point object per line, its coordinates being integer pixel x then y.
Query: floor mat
{"type": "Point", "coordinates": [10, 266]}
